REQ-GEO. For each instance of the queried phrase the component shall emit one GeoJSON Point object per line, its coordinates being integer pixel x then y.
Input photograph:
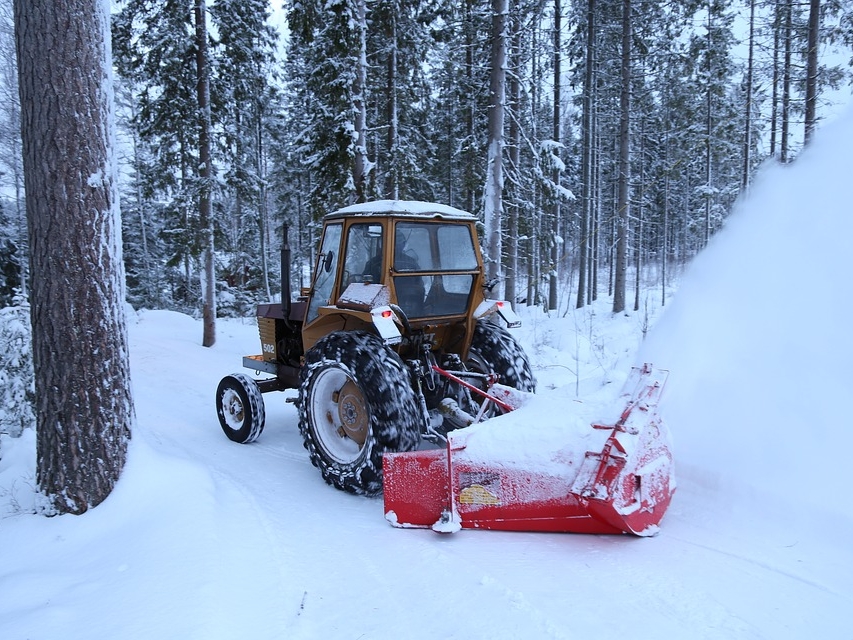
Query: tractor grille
{"type": "Point", "coordinates": [266, 327]}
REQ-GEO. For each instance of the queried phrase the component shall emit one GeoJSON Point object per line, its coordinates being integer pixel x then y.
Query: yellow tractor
{"type": "Point", "coordinates": [394, 343]}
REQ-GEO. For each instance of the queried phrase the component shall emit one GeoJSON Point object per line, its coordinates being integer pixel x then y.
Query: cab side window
{"type": "Point", "coordinates": [324, 273]}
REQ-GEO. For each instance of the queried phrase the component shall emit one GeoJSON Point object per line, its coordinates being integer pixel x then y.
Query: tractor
{"type": "Point", "coordinates": [395, 342]}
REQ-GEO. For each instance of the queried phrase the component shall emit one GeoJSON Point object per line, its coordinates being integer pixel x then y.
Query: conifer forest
{"type": "Point", "coordinates": [601, 142]}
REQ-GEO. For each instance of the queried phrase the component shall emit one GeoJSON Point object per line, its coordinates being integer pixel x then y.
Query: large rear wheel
{"type": "Point", "coordinates": [356, 402]}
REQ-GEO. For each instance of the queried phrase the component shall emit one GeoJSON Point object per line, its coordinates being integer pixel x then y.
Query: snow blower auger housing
{"type": "Point", "coordinates": [394, 342]}
{"type": "Point", "coordinates": [615, 478]}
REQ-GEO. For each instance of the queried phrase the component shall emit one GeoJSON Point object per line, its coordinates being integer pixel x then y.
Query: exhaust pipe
{"type": "Point", "coordinates": [285, 275]}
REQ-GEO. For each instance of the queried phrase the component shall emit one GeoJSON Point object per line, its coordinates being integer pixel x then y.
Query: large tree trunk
{"type": "Point", "coordinates": [205, 214]}
{"type": "Point", "coordinates": [83, 401]}
{"type": "Point", "coordinates": [493, 199]}
{"type": "Point", "coordinates": [620, 276]}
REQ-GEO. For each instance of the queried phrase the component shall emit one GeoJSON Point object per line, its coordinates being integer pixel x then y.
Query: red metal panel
{"type": "Point", "coordinates": [415, 487]}
{"type": "Point", "coordinates": [625, 487]}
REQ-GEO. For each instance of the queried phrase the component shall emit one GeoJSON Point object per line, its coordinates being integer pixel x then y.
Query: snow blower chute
{"type": "Point", "coordinates": [617, 477]}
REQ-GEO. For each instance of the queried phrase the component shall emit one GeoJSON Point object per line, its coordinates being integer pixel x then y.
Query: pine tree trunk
{"type": "Point", "coordinates": [595, 209]}
{"type": "Point", "coordinates": [555, 222]}
{"type": "Point", "coordinates": [205, 215]}
{"type": "Point", "coordinates": [263, 205]}
{"type": "Point", "coordinates": [811, 69]}
{"type": "Point", "coordinates": [392, 186]}
{"type": "Point", "coordinates": [622, 214]}
{"type": "Point", "coordinates": [511, 289]}
{"type": "Point", "coordinates": [706, 233]}
{"type": "Point", "coordinates": [774, 98]}
{"type": "Point", "coordinates": [470, 110]}
{"type": "Point", "coordinates": [665, 231]}
{"type": "Point", "coordinates": [493, 198]}
{"type": "Point", "coordinates": [638, 239]}
{"type": "Point", "coordinates": [786, 82]}
{"type": "Point", "coordinates": [747, 132]}
{"type": "Point", "coordinates": [586, 159]}
{"type": "Point", "coordinates": [83, 400]}
{"type": "Point", "coordinates": [359, 172]}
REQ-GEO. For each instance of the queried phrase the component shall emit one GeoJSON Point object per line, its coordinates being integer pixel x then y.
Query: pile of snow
{"type": "Point", "coordinates": [204, 538]}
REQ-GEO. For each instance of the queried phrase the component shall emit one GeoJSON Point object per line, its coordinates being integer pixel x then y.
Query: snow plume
{"type": "Point", "coordinates": [758, 337]}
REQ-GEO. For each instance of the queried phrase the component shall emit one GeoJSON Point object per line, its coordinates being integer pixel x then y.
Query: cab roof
{"type": "Point", "coordinates": [403, 208]}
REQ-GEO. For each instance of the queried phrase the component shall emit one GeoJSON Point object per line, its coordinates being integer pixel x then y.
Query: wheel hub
{"type": "Point", "coordinates": [353, 414]}
{"type": "Point", "coordinates": [233, 409]}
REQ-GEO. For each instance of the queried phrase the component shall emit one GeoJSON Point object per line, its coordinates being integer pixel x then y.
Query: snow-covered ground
{"type": "Point", "coordinates": [204, 538]}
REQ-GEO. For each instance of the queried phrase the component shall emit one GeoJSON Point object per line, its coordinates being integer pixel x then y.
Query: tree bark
{"type": "Point", "coordinates": [709, 113]}
{"type": "Point", "coordinates": [511, 289]}
{"type": "Point", "coordinates": [786, 81]}
{"type": "Point", "coordinates": [392, 183]}
{"type": "Point", "coordinates": [493, 198]}
{"type": "Point", "coordinates": [811, 69]}
{"type": "Point", "coordinates": [208, 309]}
{"type": "Point", "coordinates": [586, 159]}
{"type": "Point", "coordinates": [620, 275]}
{"type": "Point", "coordinates": [84, 405]}
{"type": "Point", "coordinates": [360, 164]}
{"type": "Point", "coordinates": [555, 222]}
{"type": "Point", "coordinates": [470, 108]}
{"type": "Point", "coordinates": [747, 132]}
{"type": "Point", "coordinates": [774, 98]}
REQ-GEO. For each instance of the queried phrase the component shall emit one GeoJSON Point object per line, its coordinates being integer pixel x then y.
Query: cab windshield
{"type": "Point", "coordinates": [428, 259]}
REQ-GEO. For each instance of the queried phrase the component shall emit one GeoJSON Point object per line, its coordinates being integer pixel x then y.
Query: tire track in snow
{"type": "Point", "coordinates": [762, 565]}
{"type": "Point", "coordinates": [269, 548]}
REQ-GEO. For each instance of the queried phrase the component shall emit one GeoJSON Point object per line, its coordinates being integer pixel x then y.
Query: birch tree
{"type": "Point", "coordinates": [84, 406]}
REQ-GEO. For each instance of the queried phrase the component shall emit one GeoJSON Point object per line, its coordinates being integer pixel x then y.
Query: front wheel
{"type": "Point", "coordinates": [494, 349]}
{"type": "Point", "coordinates": [240, 407]}
{"type": "Point", "coordinates": [356, 402]}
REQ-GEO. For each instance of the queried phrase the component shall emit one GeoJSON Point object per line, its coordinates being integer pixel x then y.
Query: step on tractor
{"type": "Point", "coordinates": [393, 348]}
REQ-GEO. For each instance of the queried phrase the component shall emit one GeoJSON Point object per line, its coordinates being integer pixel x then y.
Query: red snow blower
{"type": "Point", "coordinates": [616, 478]}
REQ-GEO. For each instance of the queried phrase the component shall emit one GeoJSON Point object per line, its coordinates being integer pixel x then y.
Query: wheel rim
{"type": "Point", "coordinates": [232, 409]}
{"type": "Point", "coordinates": [340, 416]}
